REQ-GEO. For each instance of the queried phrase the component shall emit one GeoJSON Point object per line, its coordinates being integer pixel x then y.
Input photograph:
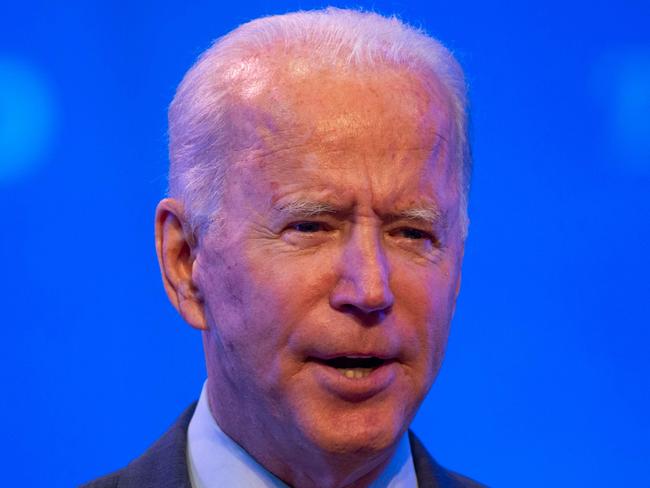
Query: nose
{"type": "Point", "coordinates": [363, 286]}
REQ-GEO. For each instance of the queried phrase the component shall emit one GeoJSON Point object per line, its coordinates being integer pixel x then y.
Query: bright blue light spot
{"type": "Point", "coordinates": [26, 119]}
{"type": "Point", "coordinates": [624, 84]}
{"type": "Point", "coordinates": [632, 116]}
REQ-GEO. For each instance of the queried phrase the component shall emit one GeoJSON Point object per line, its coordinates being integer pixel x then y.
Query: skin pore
{"type": "Point", "coordinates": [340, 237]}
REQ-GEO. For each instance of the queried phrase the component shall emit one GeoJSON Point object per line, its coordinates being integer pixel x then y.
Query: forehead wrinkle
{"type": "Point", "coordinates": [308, 192]}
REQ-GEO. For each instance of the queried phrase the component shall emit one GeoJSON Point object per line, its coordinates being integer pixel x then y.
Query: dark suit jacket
{"type": "Point", "coordinates": [164, 465]}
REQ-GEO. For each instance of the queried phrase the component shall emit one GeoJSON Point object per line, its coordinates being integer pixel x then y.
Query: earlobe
{"type": "Point", "coordinates": [174, 248]}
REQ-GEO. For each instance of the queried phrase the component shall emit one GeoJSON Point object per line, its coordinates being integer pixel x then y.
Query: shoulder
{"type": "Point", "coordinates": [162, 465]}
{"type": "Point", "coordinates": [108, 481]}
{"type": "Point", "coordinates": [430, 474]}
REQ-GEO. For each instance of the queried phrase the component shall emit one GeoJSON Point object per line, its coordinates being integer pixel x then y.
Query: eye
{"type": "Point", "coordinates": [307, 227]}
{"type": "Point", "coordinates": [416, 237]}
{"type": "Point", "coordinates": [414, 234]}
{"type": "Point", "coordinates": [307, 233]}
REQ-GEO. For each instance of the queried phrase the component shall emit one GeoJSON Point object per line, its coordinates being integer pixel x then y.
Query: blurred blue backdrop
{"type": "Point", "coordinates": [546, 377]}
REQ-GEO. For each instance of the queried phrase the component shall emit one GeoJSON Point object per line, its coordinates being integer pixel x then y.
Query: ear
{"type": "Point", "coordinates": [175, 249]}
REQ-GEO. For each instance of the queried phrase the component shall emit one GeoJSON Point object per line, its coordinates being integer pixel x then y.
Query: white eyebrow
{"type": "Point", "coordinates": [430, 215]}
{"type": "Point", "coordinates": [306, 208]}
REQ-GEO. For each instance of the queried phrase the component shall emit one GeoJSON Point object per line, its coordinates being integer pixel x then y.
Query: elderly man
{"type": "Point", "coordinates": [314, 234]}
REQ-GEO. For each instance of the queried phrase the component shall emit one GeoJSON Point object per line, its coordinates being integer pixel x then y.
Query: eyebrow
{"type": "Point", "coordinates": [307, 208]}
{"type": "Point", "coordinates": [428, 214]}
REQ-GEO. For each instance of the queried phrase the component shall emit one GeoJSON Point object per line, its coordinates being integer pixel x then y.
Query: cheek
{"type": "Point", "coordinates": [426, 305]}
{"type": "Point", "coordinates": [245, 336]}
{"type": "Point", "coordinates": [259, 299]}
{"type": "Point", "coordinates": [228, 295]}
{"type": "Point", "coordinates": [289, 281]}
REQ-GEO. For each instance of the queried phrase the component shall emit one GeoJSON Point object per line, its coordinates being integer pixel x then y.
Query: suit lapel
{"type": "Point", "coordinates": [426, 468]}
{"type": "Point", "coordinates": [164, 465]}
{"type": "Point", "coordinates": [430, 474]}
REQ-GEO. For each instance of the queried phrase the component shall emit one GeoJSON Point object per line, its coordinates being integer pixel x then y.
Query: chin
{"type": "Point", "coordinates": [363, 429]}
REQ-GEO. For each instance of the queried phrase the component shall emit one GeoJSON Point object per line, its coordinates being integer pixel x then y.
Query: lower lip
{"type": "Point", "coordinates": [355, 389]}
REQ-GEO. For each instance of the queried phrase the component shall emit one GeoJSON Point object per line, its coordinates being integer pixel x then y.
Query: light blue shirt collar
{"type": "Point", "coordinates": [215, 460]}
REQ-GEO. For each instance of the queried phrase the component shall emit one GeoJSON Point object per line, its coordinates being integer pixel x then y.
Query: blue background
{"type": "Point", "coordinates": [546, 377]}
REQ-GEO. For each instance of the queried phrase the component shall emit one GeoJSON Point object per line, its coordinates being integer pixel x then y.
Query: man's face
{"type": "Point", "coordinates": [330, 287]}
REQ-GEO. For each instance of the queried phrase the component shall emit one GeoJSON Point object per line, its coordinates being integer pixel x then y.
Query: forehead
{"type": "Point", "coordinates": [308, 124]}
{"type": "Point", "coordinates": [296, 95]}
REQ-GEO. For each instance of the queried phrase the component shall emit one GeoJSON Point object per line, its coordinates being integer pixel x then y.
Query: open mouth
{"type": "Point", "coordinates": [353, 367]}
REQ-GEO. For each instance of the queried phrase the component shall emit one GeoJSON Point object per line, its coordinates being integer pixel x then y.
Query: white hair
{"type": "Point", "coordinates": [198, 121]}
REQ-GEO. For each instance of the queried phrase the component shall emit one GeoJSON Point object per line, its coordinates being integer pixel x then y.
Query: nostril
{"type": "Point", "coordinates": [366, 316]}
{"type": "Point", "coordinates": [361, 300]}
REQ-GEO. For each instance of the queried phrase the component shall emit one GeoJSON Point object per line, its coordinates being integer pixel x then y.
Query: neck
{"type": "Point", "coordinates": [308, 465]}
